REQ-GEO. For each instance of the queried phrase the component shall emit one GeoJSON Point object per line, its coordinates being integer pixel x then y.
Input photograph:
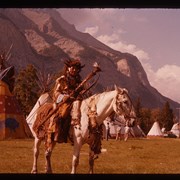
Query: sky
{"type": "Point", "coordinates": [152, 35]}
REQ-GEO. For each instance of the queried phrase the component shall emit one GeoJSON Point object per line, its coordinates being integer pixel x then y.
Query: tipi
{"type": "Point", "coordinates": [155, 131]}
{"type": "Point", "coordinates": [176, 129]}
{"type": "Point", "coordinates": [12, 122]}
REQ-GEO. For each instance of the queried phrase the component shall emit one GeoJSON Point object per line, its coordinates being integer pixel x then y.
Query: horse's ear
{"type": "Point", "coordinates": [115, 87]}
{"type": "Point", "coordinates": [125, 90]}
{"type": "Point", "coordinates": [119, 90]}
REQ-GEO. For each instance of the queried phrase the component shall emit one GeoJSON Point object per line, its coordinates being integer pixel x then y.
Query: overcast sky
{"type": "Point", "coordinates": [153, 35]}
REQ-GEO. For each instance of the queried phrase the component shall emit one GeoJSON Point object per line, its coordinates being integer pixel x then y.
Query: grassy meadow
{"type": "Point", "coordinates": [136, 156]}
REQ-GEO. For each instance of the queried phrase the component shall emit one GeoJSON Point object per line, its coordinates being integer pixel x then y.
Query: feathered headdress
{"type": "Point", "coordinates": [75, 62]}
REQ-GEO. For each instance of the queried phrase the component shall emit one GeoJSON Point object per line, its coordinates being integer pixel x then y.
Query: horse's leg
{"type": "Point", "coordinates": [37, 143]}
{"type": "Point", "coordinates": [91, 161]}
{"type": "Point", "coordinates": [126, 133]}
{"type": "Point", "coordinates": [76, 153]}
{"type": "Point", "coordinates": [118, 136]}
{"type": "Point", "coordinates": [48, 151]}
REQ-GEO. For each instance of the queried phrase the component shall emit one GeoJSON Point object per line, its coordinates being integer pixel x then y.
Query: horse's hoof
{"type": "Point", "coordinates": [34, 171]}
{"type": "Point", "coordinates": [49, 172]}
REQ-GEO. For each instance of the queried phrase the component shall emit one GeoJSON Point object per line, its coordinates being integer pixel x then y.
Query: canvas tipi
{"type": "Point", "coordinates": [155, 131]}
{"type": "Point", "coordinates": [176, 129]}
{"type": "Point", "coordinates": [12, 122]}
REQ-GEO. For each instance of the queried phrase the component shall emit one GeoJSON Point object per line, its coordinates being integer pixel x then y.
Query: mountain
{"type": "Point", "coordinates": [43, 37]}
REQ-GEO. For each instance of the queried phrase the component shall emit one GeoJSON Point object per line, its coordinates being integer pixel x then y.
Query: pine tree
{"type": "Point", "coordinates": [137, 106]}
{"type": "Point", "coordinates": [146, 121]}
{"type": "Point", "coordinates": [167, 117]}
{"type": "Point", "coordinates": [26, 88]}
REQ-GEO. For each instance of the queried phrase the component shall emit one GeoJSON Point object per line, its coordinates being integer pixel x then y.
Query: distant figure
{"type": "Point", "coordinates": [128, 129]}
{"type": "Point", "coordinates": [118, 134]}
{"type": "Point", "coordinates": [163, 130]}
{"type": "Point", "coordinates": [108, 135]}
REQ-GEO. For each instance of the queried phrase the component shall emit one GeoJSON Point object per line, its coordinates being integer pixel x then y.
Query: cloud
{"type": "Point", "coordinates": [92, 30]}
{"type": "Point", "coordinates": [166, 80]}
{"type": "Point", "coordinates": [104, 25]}
{"type": "Point", "coordinates": [114, 42]}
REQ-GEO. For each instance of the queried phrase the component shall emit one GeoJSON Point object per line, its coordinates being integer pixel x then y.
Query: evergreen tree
{"type": "Point", "coordinates": [26, 88]}
{"type": "Point", "coordinates": [146, 121]}
{"type": "Point", "coordinates": [156, 115]}
{"type": "Point", "coordinates": [137, 106]}
{"type": "Point", "coordinates": [167, 116]}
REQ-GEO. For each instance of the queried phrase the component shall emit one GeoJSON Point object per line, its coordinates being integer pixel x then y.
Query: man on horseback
{"type": "Point", "coordinates": [65, 89]}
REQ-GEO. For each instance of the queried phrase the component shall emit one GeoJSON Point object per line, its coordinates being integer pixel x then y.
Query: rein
{"type": "Point", "coordinates": [128, 116]}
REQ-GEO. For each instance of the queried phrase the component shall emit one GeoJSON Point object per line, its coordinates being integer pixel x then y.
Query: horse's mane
{"type": "Point", "coordinates": [97, 96]}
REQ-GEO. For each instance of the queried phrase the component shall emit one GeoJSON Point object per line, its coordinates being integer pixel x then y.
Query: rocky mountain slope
{"type": "Point", "coordinates": [43, 37]}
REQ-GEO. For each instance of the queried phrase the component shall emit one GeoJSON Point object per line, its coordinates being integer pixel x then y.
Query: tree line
{"type": "Point", "coordinates": [27, 90]}
{"type": "Point", "coordinates": [146, 117]}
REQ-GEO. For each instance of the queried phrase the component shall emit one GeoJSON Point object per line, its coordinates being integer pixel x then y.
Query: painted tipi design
{"type": "Point", "coordinates": [12, 122]}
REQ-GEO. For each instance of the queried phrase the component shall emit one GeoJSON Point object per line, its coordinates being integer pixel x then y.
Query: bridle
{"type": "Point", "coordinates": [120, 110]}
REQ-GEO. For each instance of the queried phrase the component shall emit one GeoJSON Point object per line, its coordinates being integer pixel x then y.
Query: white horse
{"type": "Point", "coordinates": [117, 101]}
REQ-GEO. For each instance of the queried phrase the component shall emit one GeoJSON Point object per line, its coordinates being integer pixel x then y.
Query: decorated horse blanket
{"type": "Point", "coordinates": [41, 122]}
{"type": "Point", "coordinates": [46, 113]}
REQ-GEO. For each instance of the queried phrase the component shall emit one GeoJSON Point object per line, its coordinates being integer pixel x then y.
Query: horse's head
{"type": "Point", "coordinates": [123, 105]}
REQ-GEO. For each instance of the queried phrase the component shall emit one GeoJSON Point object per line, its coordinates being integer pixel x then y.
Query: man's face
{"type": "Point", "coordinates": [73, 70]}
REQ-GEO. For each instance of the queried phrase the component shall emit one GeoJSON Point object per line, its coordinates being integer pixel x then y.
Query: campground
{"type": "Point", "coordinates": [135, 156]}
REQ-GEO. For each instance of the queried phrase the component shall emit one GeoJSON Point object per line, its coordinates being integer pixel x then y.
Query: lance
{"type": "Point", "coordinates": [93, 73]}
{"type": "Point", "coordinates": [76, 91]}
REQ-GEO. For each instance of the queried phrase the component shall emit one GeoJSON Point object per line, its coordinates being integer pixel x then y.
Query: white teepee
{"type": "Point", "coordinates": [176, 129]}
{"type": "Point", "coordinates": [155, 131]}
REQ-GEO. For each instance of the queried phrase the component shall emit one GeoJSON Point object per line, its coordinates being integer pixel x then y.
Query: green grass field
{"type": "Point", "coordinates": [136, 156]}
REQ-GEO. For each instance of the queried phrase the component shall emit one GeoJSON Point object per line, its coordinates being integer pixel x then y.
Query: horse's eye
{"type": "Point", "coordinates": [125, 102]}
